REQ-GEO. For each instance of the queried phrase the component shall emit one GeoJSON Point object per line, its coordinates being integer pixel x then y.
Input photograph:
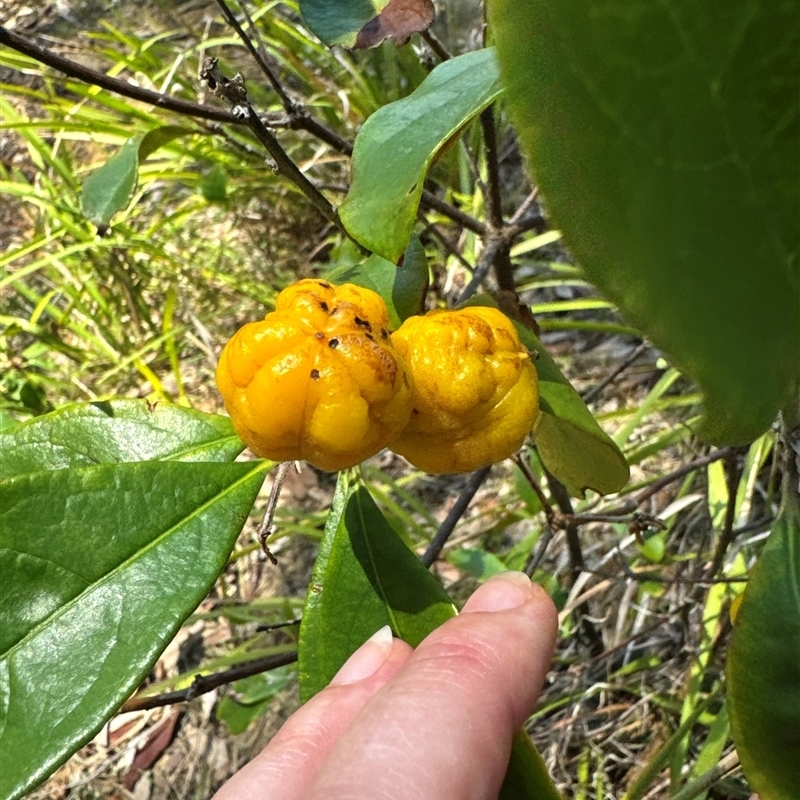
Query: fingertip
{"type": "Point", "coordinates": [367, 660]}
{"type": "Point", "coordinates": [507, 591]}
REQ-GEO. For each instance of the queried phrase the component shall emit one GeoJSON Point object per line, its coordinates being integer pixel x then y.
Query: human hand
{"type": "Point", "coordinates": [434, 723]}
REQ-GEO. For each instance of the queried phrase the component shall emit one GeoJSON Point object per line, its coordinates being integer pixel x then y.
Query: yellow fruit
{"type": "Point", "coordinates": [318, 379]}
{"type": "Point", "coordinates": [476, 391]}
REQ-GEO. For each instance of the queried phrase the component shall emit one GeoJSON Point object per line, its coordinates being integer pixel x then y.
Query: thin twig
{"type": "Point", "coordinates": [591, 394]}
{"type": "Point", "coordinates": [492, 196]}
{"type": "Point", "coordinates": [503, 269]}
{"type": "Point", "coordinates": [431, 201]}
{"type": "Point", "coordinates": [454, 515]}
{"type": "Point", "coordinates": [537, 557]}
{"type": "Point", "coordinates": [435, 44]}
{"type": "Point", "coordinates": [297, 116]}
{"type": "Point", "coordinates": [646, 575]}
{"type": "Point", "coordinates": [233, 90]}
{"type": "Point", "coordinates": [482, 268]}
{"type": "Point", "coordinates": [534, 484]}
{"type": "Point", "coordinates": [434, 231]}
{"type": "Point", "coordinates": [92, 76]}
{"type": "Point", "coordinates": [654, 488]}
{"type": "Point", "coordinates": [276, 626]}
{"type": "Point", "coordinates": [533, 222]}
{"type": "Point", "coordinates": [733, 472]}
{"type": "Point", "coordinates": [286, 101]}
{"type": "Point", "coordinates": [265, 527]}
{"type": "Point", "coordinates": [564, 503]}
{"type": "Point", "coordinates": [206, 683]}
{"type": "Point", "coordinates": [524, 206]}
{"type": "Point", "coordinates": [576, 561]}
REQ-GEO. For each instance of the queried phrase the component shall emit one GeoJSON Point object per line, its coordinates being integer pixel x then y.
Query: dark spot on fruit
{"type": "Point", "coordinates": [362, 323]}
{"type": "Point", "coordinates": [314, 374]}
{"type": "Point", "coordinates": [415, 411]}
{"type": "Point", "coordinates": [325, 284]}
{"type": "Point", "coordinates": [319, 335]}
{"type": "Point", "coordinates": [323, 305]}
{"type": "Point", "coordinates": [335, 310]}
{"type": "Point", "coordinates": [405, 379]}
{"type": "Point", "coordinates": [384, 333]}
{"type": "Point", "coordinates": [370, 337]}
{"type": "Point", "coordinates": [333, 343]}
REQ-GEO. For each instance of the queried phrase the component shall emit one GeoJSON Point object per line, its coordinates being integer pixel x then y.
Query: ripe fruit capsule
{"type": "Point", "coordinates": [318, 378]}
{"type": "Point", "coordinates": [476, 391]}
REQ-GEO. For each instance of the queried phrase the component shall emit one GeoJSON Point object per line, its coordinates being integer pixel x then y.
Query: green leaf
{"type": "Point", "coordinates": [213, 186]}
{"type": "Point", "coordinates": [402, 287]}
{"type": "Point", "coordinates": [763, 666]}
{"type": "Point", "coordinates": [158, 137]}
{"type": "Point", "coordinates": [252, 697]}
{"type": "Point", "coordinates": [527, 777]}
{"type": "Point", "coordinates": [109, 189]}
{"type": "Point", "coordinates": [364, 578]}
{"type": "Point", "coordinates": [397, 144]}
{"type": "Point", "coordinates": [664, 140]}
{"type": "Point", "coordinates": [116, 431]}
{"type": "Point", "coordinates": [365, 23]}
{"type": "Point", "coordinates": [569, 440]}
{"type": "Point", "coordinates": [475, 562]}
{"type": "Point", "coordinates": [101, 564]}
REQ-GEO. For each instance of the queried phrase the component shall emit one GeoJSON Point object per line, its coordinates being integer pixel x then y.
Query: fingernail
{"type": "Point", "coordinates": [367, 659]}
{"type": "Point", "coordinates": [501, 592]}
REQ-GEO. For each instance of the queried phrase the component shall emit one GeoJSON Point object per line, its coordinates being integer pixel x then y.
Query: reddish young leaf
{"type": "Point", "coordinates": [398, 20]}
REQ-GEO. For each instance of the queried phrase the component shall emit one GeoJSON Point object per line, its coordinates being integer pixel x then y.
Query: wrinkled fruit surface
{"type": "Point", "coordinates": [318, 379]}
{"type": "Point", "coordinates": [476, 391]}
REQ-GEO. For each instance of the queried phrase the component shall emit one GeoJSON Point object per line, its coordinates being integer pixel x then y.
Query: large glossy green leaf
{"type": "Point", "coordinates": [763, 666]}
{"type": "Point", "coordinates": [110, 535]}
{"type": "Point", "coordinates": [115, 431]}
{"type": "Point", "coordinates": [396, 145]}
{"type": "Point", "coordinates": [364, 578]}
{"type": "Point", "coordinates": [664, 138]}
{"type": "Point", "coordinates": [402, 287]}
{"type": "Point", "coordinates": [100, 566]}
{"type": "Point", "coordinates": [569, 440]}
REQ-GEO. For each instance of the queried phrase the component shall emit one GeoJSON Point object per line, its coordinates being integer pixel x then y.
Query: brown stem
{"type": "Point", "coordinates": [431, 201]}
{"type": "Point", "coordinates": [564, 503]}
{"type": "Point", "coordinates": [298, 121]}
{"type": "Point", "coordinates": [454, 515]}
{"type": "Point", "coordinates": [485, 262]}
{"type": "Point", "coordinates": [92, 76]}
{"type": "Point", "coordinates": [592, 394]}
{"type": "Point", "coordinates": [436, 45]}
{"type": "Point", "coordinates": [287, 103]}
{"type": "Point", "coordinates": [654, 488]}
{"type": "Point", "coordinates": [733, 472]}
{"type": "Point", "coordinates": [524, 206]}
{"type": "Point", "coordinates": [493, 199]}
{"type": "Point", "coordinates": [233, 90]}
{"type": "Point", "coordinates": [206, 683]}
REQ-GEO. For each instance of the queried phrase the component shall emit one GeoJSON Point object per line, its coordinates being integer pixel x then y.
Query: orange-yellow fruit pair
{"type": "Point", "coordinates": [321, 379]}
